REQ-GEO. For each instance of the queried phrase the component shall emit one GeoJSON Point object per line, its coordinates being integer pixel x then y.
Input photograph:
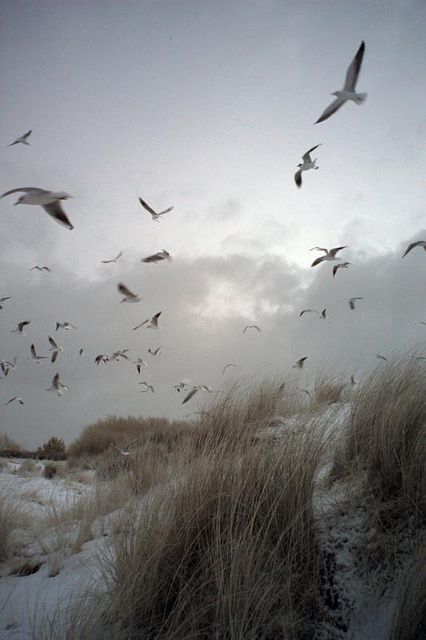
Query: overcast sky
{"type": "Point", "coordinates": [207, 106]}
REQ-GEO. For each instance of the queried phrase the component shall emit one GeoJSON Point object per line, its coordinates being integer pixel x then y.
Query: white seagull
{"type": "Point", "coordinates": [57, 385]}
{"type": "Point", "coordinates": [155, 352]}
{"type": "Point", "coordinates": [299, 364]}
{"type": "Point", "coordinates": [149, 323]}
{"type": "Point", "coordinates": [17, 398]}
{"type": "Point", "coordinates": [352, 302]}
{"type": "Point", "coordinates": [129, 296]}
{"type": "Point", "coordinates": [66, 326]}
{"type": "Point", "coordinates": [157, 257]}
{"type": "Point", "coordinates": [147, 387]}
{"type": "Point", "coordinates": [307, 164]}
{"type": "Point", "coordinates": [341, 265]}
{"type": "Point", "coordinates": [155, 214]}
{"type": "Point", "coordinates": [348, 92]}
{"type": "Point", "coordinates": [329, 254]}
{"type": "Point", "coordinates": [55, 348]}
{"type": "Point", "coordinates": [139, 364]}
{"type": "Point", "coordinates": [117, 257]}
{"type": "Point", "coordinates": [7, 366]}
{"type": "Point", "coordinates": [252, 326]}
{"type": "Point", "coordinates": [191, 394]}
{"type": "Point", "coordinates": [126, 451]}
{"type": "Point", "coordinates": [20, 328]}
{"type": "Point", "coordinates": [35, 356]}
{"type": "Point", "coordinates": [101, 358]}
{"type": "Point", "coordinates": [419, 243]}
{"type": "Point", "coordinates": [50, 201]}
{"type": "Point", "coordinates": [22, 139]}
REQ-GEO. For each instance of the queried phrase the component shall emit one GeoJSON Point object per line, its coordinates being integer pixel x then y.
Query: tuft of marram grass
{"type": "Point", "coordinates": [386, 434]}
{"type": "Point", "coordinates": [409, 621]}
{"type": "Point", "coordinates": [227, 551]}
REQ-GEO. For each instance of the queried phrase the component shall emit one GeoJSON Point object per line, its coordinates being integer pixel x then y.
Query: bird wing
{"type": "Point", "coordinates": [147, 207]}
{"type": "Point", "coordinates": [336, 266]}
{"type": "Point", "coordinates": [298, 178]}
{"type": "Point", "coordinates": [54, 356]}
{"type": "Point", "coordinates": [161, 213]}
{"type": "Point", "coordinates": [138, 326]}
{"type": "Point", "coordinates": [306, 157]}
{"type": "Point", "coordinates": [354, 69]}
{"type": "Point", "coordinates": [154, 319]}
{"type": "Point", "coordinates": [52, 343]}
{"type": "Point", "coordinates": [55, 381]}
{"type": "Point", "coordinates": [336, 249]}
{"type": "Point", "coordinates": [27, 189]}
{"type": "Point", "coordinates": [318, 261]}
{"type": "Point", "coordinates": [26, 135]}
{"type": "Point", "coordinates": [332, 108]}
{"type": "Point", "coordinates": [190, 395]}
{"type": "Point", "coordinates": [33, 351]}
{"type": "Point", "coordinates": [411, 246]}
{"type": "Point", "coordinates": [351, 304]}
{"type": "Point", "coordinates": [125, 290]}
{"type": "Point", "coordinates": [54, 209]}
{"type": "Point", "coordinates": [9, 401]}
{"type": "Point", "coordinates": [318, 249]}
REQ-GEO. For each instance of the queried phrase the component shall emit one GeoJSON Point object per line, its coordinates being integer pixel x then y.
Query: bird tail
{"type": "Point", "coordinates": [360, 98]}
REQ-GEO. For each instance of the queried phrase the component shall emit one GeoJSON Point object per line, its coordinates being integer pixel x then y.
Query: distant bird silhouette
{"type": "Point", "coordinates": [35, 356]}
{"type": "Point", "coordinates": [352, 302]}
{"type": "Point", "coordinates": [419, 243]}
{"type": "Point", "coordinates": [299, 364]}
{"type": "Point", "coordinates": [38, 268]}
{"type": "Point", "coordinates": [20, 328]}
{"type": "Point", "coordinates": [307, 311]}
{"type": "Point", "coordinates": [22, 139]}
{"type": "Point", "coordinates": [129, 296]}
{"type": "Point", "coordinates": [158, 257]}
{"type": "Point", "coordinates": [66, 326]}
{"type": "Point", "coordinates": [117, 257]}
{"type": "Point", "coordinates": [380, 357]}
{"type": "Point", "coordinates": [252, 326]}
{"type": "Point", "coordinates": [154, 214]}
{"type": "Point", "coordinates": [329, 254]}
{"type": "Point", "coordinates": [155, 352]}
{"type": "Point", "coordinates": [149, 323]}
{"type": "Point", "coordinates": [230, 364]}
{"type": "Point", "coordinates": [17, 398]}
{"type": "Point", "coordinates": [57, 385]}
{"type": "Point", "coordinates": [341, 265]}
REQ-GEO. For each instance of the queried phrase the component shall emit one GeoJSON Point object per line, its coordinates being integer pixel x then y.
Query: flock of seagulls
{"type": "Point", "coordinates": [52, 203]}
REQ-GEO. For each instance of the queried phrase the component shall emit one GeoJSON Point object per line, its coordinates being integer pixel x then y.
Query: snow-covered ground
{"type": "Point", "coordinates": [53, 565]}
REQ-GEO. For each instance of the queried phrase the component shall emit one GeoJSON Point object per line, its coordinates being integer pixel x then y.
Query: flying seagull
{"type": "Point", "coordinates": [381, 357]}
{"type": "Point", "coordinates": [129, 296]}
{"type": "Point", "coordinates": [39, 268]}
{"type": "Point", "coordinates": [155, 215]}
{"type": "Point", "coordinates": [147, 387]}
{"type": "Point", "coordinates": [57, 385]}
{"type": "Point", "coordinates": [20, 328]}
{"type": "Point", "coordinates": [80, 351]}
{"type": "Point", "coordinates": [22, 139]}
{"type": "Point", "coordinates": [7, 366]}
{"type": "Point", "coordinates": [230, 364]}
{"type": "Point", "coordinates": [155, 352]}
{"type": "Point", "coordinates": [120, 353]}
{"type": "Point", "coordinates": [329, 254]}
{"type": "Point", "coordinates": [50, 201]}
{"type": "Point", "coordinates": [307, 311]}
{"type": "Point", "coordinates": [299, 364]}
{"type": "Point", "coordinates": [65, 325]}
{"type": "Point", "coordinates": [17, 398]}
{"type": "Point", "coordinates": [35, 356]}
{"type": "Point", "coordinates": [419, 243]}
{"type": "Point", "coordinates": [181, 386]}
{"type": "Point", "coordinates": [252, 326]}
{"type": "Point", "coordinates": [102, 358]}
{"type": "Point", "coordinates": [54, 347]}
{"type": "Point", "coordinates": [4, 298]}
{"type": "Point", "coordinates": [149, 323]}
{"type": "Point", "coordinates": [341, 265]}
{"type": "Point", "coordinates": [307, 164]}
{"type": "Point", "coordinates": [323, 315]}
{"type": "Point", "coordinates": [126, 451]}
{"type": "Point", "coordinates": [352, 302]}
{"type": "Point", "coordinates": [157, 257]}
{"type": "Point", "coordinates": [139, 364]}
{"type": "Point", "coordinates": [348, 92]}
{"type": "Point", "coordinates": [117, 257]}
{"type": "Point", "coordinates": [191, 394]}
